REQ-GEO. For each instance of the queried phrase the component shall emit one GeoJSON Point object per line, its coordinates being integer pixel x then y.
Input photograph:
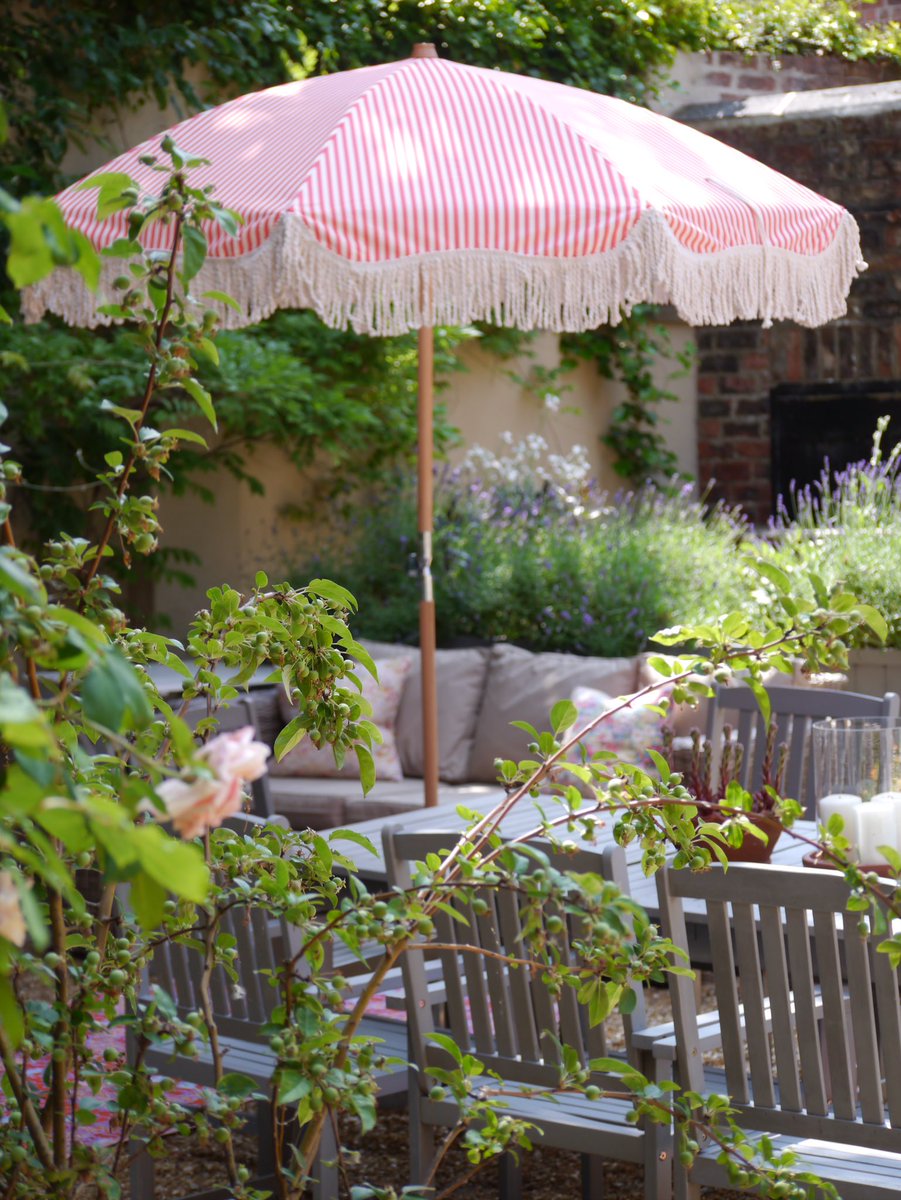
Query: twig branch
{"type": "Point", "coordinates": [26, 1106]}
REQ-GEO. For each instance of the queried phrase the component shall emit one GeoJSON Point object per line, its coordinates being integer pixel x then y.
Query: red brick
{"type": "Point", "coordinates": [740, 383]}
{"type": "Point", "coordinates": [734, 471]}
{"type": "Point", "coordinates": [710, 428]}
{"type": "Point", "coordinates": [718, 78]}
{"type": "Point", "coordinates": [755, 362]}
{"type": "Point", "coordinates": [753, 448]}
{"type": "Point", "coordinates": [757, 83]}
{"type": "Point", "coordinates": [708, 385]}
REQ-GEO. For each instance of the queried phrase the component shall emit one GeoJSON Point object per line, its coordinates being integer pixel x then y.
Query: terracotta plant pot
{"type": "Point", "coordinates": [752, 849]}
{"type": "Point", "coordinates": [818, 860]}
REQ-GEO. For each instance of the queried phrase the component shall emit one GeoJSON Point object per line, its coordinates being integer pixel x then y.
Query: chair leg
{"type": "Point", "coordinates": [422, 1137]}
{"type": "Point", "coordinates": [324, 1169]}
{"type": "Point", "coordinates": [141, 1172]}
{"type": "Point", "coordinates": [510, 1172]}
{"type": "Point", "coordinates": [593, 1177]}
{"type": "Point", "coordinates": [265, 1139]}
{"type": "Point", "coordinates": [658, 1162]}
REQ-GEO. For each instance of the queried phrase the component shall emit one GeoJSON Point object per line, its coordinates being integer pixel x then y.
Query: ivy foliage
{"type": "Point", "coordinates": [119, 54]}
{"type": "Point", "coordinates": [316, 392]}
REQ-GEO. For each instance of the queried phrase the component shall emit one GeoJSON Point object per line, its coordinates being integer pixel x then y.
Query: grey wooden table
{"type": "Point", "coordinates": [522, 820]}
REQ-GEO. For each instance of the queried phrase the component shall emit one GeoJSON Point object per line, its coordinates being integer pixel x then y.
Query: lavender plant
{"type": "Point", "coordinates": [846, 529]}
{"type": "Point", "coordinates": [529, 549]}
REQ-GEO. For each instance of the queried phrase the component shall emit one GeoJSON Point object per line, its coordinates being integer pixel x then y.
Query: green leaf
{"type": "Point", "coordinates": [187, 435]}
{"type": "Point", "coordinates": [148, 897]}
{"type": "Point", "coordinates": [661, 764]}
{"type": "Point", "coordinates": [15, 578]}
{"type": "Point", "coordinates": [194, 253]}
{"type": "Point", "coordinates": [21, 721]}
{"type": "Point", "coordinates": [367, 767]}
{"type": "Point", "coordinates": [113, 696]}
{"type": "Point", "coordinates": [177, 865]}
{"type": "Point", "coordinates": [874, 618]}
{"type": "Point", "coordinates": [353, 835]}
{"type": "Point", "coordinates": [774, 574]}
{"type": "Point", "coordinates": [293, 1085]}
{"type": "Point", "coordinates": [11, 1014]}
{"type": "Point", "coordinates": [107, 179]}
{"type": "Point", "coordinates": [236, 1084]}
{"type": "Point", "coordinates": [763, 698]}
{"type": "Point", "coordinates": [203, 398]}
{"type": "Point", "coordinates": [564, 715]}
{"type": "Point", "coordinates": [293, 732]}
{"type": "Point", "coordinates": [329, 590]}
{"type": "Point", "coordinates": [222, 298]}
{"type": "Point", "coordinates": [207, 347]}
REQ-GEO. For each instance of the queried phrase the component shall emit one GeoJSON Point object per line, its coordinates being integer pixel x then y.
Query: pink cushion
{"type": "Point", "coordinates": [305, 760]}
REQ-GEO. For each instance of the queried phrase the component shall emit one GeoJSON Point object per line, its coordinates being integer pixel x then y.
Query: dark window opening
{"type": "Point", "coordinates": [813, 422]}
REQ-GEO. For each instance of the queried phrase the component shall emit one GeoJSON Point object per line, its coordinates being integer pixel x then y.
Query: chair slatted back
{"type": "Point", "coordinates": [809, 1008]}
{"type": "Point", "coordinates": [240, 1004]}
{"type": "Point", "coordinates": [793, 710]}
{"type": "Point", "coordinates": [503, 1012]}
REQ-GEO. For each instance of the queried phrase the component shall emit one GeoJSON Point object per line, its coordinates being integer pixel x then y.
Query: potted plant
{"type": "Point", "coordinates": [741, 826]}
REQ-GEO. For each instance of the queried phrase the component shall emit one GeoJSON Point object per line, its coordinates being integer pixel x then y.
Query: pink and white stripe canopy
{"type": "Point", "coordinates": [424, 192]}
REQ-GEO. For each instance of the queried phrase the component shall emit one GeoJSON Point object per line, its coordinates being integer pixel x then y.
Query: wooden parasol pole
{"type": "Point", "coordinates": [427, 637]}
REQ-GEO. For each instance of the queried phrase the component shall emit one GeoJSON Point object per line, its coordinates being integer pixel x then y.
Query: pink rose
{"type": "Point", "coordinates": [193, 808]}
{"type": "Point", "coordinates": [12, 923]}
{"type": "Point", "coordinates": [236, 755]}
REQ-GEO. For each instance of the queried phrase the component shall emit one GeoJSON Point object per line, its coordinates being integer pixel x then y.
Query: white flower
{"type": "Point", "coordinates": [203, 804]}
{"type": "Point", "coordinates": [237, 754]}
{"type": "Point", "coordinates": [194, 806]}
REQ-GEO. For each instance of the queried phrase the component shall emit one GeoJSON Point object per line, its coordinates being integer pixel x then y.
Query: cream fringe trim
{"type": "Point", "coordinates": [292, 270]}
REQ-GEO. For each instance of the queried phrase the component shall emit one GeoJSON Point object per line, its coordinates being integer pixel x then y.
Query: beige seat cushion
{"type": "Point", "coordinates": [461, 681]}
{"type": "Point", "coordinates": [523, 686]}
{"type": "Point", "coordinates": [480, 797]}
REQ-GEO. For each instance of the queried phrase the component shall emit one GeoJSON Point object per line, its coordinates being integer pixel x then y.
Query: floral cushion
{"type": "Point", "coordinates": [384, 695]}
{"type": "Point", "coordinates": [629, 732]}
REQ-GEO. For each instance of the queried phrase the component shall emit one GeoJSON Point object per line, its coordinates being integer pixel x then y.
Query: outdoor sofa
{"type": "Point", "coordinates": [481, 690]}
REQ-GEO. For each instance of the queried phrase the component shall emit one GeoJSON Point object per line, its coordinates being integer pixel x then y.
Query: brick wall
{"type": "Point", "coordinates": [727, 75]}
{"type": "Point", "coordinates": [882, 10]}
{"type": "Point", "coordinates": [855, 160]}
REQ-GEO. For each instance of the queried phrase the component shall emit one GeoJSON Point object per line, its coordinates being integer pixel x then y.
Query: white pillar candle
{"type": "Point", "coordinates": [846, 805]}
{"type": "Point", "coordinates": [875, 827]}
{"type": "Point", "coordinates": [894, 799]}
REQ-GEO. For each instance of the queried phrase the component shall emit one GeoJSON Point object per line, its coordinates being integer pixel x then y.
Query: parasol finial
{"type": "Point", "coordinates": [424, 50]}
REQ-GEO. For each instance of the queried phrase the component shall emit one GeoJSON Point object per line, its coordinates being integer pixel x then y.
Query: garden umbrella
{"type": "Point", "coordinates": [424, 192]}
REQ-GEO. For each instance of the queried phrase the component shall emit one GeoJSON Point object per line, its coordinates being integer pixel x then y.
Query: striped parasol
{"type": "Point", "coordinates": [423, 192]}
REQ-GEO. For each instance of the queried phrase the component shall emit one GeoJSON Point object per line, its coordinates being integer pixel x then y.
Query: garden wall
{"type": "Point", "coordinates": [846, 144]}
{"type": "Point", "coordinates": [726, 75]}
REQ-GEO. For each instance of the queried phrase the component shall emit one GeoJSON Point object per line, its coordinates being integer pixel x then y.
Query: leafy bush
{"type": "Point", "coordinates": [528, 549]}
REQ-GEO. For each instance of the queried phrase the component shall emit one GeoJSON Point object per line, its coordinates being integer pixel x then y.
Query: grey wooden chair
{"type": "Point", "coordinates": [810, 1018]}
{"type": "Point", "coordinates": [793, 710]}
{"type": "Point", "coordinates": [514, 1026]}
{"type": "Point", "coordinates": [241, 1010]}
